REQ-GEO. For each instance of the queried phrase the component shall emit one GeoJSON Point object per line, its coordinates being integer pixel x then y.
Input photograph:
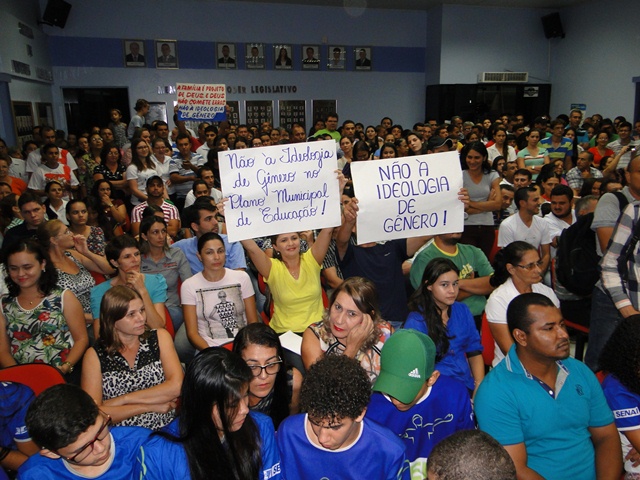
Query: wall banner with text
{"type": "Point", "coordinates": [408, 197]}
{"type": "Point", "coordinates": [199, 101]}
{"type": "Point", "coordinates": [280, 189]}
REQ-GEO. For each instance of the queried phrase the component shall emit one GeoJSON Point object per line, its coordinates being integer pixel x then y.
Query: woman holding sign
{"type": "Point", "coordinates": [293, 277]}
{"type": "Point", "coordinates": [483, 185]}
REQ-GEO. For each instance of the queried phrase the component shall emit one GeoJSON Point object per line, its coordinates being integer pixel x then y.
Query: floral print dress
{"type": "Point", "coordinates": [40, 335]}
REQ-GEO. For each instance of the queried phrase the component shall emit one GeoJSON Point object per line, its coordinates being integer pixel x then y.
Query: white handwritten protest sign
{"type": "Point", "coordinates": [408, 197]}
{"type": "Point", "coordinates": [199, 101]}
{"type": "Point", "coordinates": [279, 189]}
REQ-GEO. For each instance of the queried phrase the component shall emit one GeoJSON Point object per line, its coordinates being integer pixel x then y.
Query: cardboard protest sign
{"type": "Point", "coordinates": [408, 197]}
{"type": "Point", "coordinates": [280, 189]}
{"type": "Point", "coordinates": [198, 101]}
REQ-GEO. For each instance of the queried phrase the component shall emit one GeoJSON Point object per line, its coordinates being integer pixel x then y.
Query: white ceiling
{"type": "Point", "coordinates": [426, 4]}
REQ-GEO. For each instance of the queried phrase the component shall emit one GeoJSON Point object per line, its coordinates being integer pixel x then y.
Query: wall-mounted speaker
{"type": "Point", "coordinates": [552, 25]}
{"type": "Point", "coordinates": [56, 13]}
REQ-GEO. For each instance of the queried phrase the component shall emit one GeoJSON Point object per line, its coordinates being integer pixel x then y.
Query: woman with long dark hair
{"type": "Point", "coordinates": [435, 312]}
{"type": "Point", "coordinates": [39, 322]}
{"type": "Point", "coordinates": [275, 387]}
{"type": "Point", "coordinates": [216, 436]}
{"type": "Point", "coordinates": [141, 169]}
{"type": "Point", "coordinates": [483, 185]}
{"type": "Point", "coordinates": [516, 271]}
{"type": "Point", "coordinates": [78, 218]}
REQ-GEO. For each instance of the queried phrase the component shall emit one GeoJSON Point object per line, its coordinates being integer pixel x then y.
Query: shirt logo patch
{"type": "Point", "coordinates": [627, 412]}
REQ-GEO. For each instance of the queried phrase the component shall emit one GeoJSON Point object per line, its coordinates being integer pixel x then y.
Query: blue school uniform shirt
{"type": "Point", "coordinates": [125, 442]}
{"type": "Point", "coordinates": [377, 454]}
{"type": "Point", "coordinates": [444, 409]}
{"type": "Point", "coordinates": [463, 338]}
{"type": "Point", "coordinates": [14, 402]}
{"type": "Point", "coordinates": [161, 458]}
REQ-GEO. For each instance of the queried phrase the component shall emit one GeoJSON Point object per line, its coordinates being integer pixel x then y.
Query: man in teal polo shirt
{"type": "Point", "coordinates": [547, 409]}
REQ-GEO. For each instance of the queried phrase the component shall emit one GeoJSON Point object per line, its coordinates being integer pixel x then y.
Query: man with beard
{"type": "Point", "coordinates": [562, 215]}
{"type": "Point", "coordinates": [545, 408]}
{"type": "Point", "coordinates": [475, 270]}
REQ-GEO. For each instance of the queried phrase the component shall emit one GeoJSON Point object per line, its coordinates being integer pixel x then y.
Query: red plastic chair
{"type": "Point", "coordinates": [168, 325]}
{"type": "Point", "coordinates": [488, 343]}
{"type": "Point", "coordinates": [37, 376]}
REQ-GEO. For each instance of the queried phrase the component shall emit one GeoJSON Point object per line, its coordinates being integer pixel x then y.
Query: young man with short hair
{"type": "Point", "coordinates": [184, 168]}
{"type": "Point", "coordinates": [333, 439]}
{"type": "Point", "coordinates": [414, 401]}
{"type": "Point", "coordinates": [76, 441]}
{"type": "Point", "coordinates": [558, 146]}
{"type": "Point", "coordinates": [33, 214]}
{"type": "Point", "coordinates": [206, 174]}
{"type": "Point", "coordinates": [522, 178]}
{"type": "Point", "coordinates": [155, 196]}
{"type": "Point", "coordinates": [52, 169]}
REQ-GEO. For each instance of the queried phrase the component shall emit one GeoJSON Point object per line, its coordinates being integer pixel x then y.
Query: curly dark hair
{"type": "Point", "coordinates": [335, 387]}
{"type": "Point", "coordinates": [49, 276]}
{"type": "Point", "coordinates": [621, 354]}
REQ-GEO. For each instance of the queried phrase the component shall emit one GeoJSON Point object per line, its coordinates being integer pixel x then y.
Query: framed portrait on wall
{"type": "Point", "coordinates": [292, 112]}
{"type": "Point", "coordinates": [336, 55]}
{"type": "Point", "coordinates": [321, 108]}
{"type": "Point", "coordinates": [134, 53]}
{"type": "Point", "coordinates": [254, 56]}
{"type": "Point", "coordinates": [166, 54]}
{"type": "Point", "coordinates": [226, 55]}
{"type": "Point", "coordinates": [282, 57]}
{"type": "Point", "coordinates": [362, 58]}
{"type": "Point", "coordinates": [310, 57]}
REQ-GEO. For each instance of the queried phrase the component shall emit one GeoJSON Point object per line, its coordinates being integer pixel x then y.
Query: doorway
{"type": "Point", "coordinates": [88, 107]}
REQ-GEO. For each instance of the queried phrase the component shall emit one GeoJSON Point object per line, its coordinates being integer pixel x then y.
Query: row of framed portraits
{"type": "Point", "coordinates": [255, 56]}
{"type": "Point", "coordinates": [24, 119]}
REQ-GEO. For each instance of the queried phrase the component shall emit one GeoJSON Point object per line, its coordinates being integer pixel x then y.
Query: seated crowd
{"type": "Point", "coordinates": [440, 357]}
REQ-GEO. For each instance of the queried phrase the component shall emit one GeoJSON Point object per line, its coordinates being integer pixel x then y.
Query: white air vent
{"type": "Point", "coordinates": [503, 77]}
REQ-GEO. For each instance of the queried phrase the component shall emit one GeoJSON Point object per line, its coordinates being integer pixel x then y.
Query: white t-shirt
{"type": "Point", "coordinates": [163, 170]}
{"type": "Point", "coordinates": [556, 227]}
{"type": "Point", "coordinates": [141, 178]}
{"type": "Point", "coordinates": [34, 160]}
{"type": "Point", "coordinates": [513, 228]}
{"type": "Point", "coordinates": [496, 309]}
{"type": "Point", "coordinates": [219, 305]}
{"type": "Point", "coordinates": [191, 198]}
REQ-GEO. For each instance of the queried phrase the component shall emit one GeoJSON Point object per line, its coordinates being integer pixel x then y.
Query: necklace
{"type": "Point", "coordinates": [295, 273]}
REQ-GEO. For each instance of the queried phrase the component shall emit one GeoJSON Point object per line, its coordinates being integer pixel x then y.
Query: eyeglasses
{"type": "Point", "coordinates": [86, 449]}
{"type": "Point", "coordinates": [271, 368]}
{"type": "Point", "coordinates": [66, 232]}
{"type": "Point", "coordinates": [531, 266]}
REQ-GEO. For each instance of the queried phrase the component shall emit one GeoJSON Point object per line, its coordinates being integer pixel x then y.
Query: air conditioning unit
{"type": "Point", "coordinates": [503, 77]}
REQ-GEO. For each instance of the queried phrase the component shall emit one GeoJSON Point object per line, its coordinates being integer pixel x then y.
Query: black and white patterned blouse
{"type": "Point", "coordinates": [80, 283]}
{"type": "Point", "coordinates": [119, 379]}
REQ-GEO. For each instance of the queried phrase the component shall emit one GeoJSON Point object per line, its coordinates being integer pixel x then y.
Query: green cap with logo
{"type": "Point", "coordinates": [406, 363]}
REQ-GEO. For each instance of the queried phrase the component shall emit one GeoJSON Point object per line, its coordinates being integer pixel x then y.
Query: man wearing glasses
{"type": "Point", "coordinates": [76, 441]}
{"type": "Point", "coordinates": [527, 226]}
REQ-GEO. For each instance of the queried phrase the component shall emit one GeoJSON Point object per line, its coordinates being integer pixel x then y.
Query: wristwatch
{"type": "Point", "coordinates": [70, 366]}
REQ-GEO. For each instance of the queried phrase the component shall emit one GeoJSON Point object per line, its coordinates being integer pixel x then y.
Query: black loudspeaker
{"type": "Point", "coordinates": [56, 13]}
{"type": "Point", "coordinates": [552, 25]}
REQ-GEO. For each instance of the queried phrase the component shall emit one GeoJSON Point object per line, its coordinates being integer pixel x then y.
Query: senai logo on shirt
{"type": "Point", "coordinates": [626, 412]}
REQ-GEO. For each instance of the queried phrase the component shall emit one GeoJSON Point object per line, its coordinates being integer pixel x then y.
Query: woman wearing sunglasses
{"type": "Point", "coordinates": [517, 271]}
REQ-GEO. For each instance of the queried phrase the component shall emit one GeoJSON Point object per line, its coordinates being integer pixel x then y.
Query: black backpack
{"type": "Point", "coordinates": [577, 259]}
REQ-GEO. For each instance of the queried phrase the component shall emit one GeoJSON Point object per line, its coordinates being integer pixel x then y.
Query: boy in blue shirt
{"type": "Point", "coordinates": [76, 441]}
{"type": "Point", "coordinates": [415, 402]}
{"type": "Point", "coordinates": [333, 439]}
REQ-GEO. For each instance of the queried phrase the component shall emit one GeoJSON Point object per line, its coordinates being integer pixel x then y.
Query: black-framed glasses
{"type": "Point", "coordinates": [531, 266]}
{"type": "Point", "coordinates": [87, 448]}
{"type": "Point", "coordinates": [271, 368]}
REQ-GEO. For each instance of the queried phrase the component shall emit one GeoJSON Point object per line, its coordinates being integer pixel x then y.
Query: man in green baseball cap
{"type": "Point", "coordinates": [414, 401]}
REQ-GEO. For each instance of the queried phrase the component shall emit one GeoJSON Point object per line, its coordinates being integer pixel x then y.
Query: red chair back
{"type": "Point", "coordinates": [488, 343]}
{"type": "Point", "coordinates": [169, 323]}
{"type": "Point", "coordinates": [37, 376]}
